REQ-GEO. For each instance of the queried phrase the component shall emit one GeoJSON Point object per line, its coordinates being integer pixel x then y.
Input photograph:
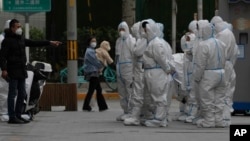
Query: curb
{"type": "Point", "coordinates": [110, 96]}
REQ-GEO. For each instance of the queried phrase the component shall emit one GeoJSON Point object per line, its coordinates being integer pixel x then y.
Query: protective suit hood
{"type": "Point", "coordinates": [124, 25]}
{"type": "Point", "coordinates": [135, 30]}
{"type": "Point", "coordinates": [207, 31]}
{"type": "Point", "coordinates": [193, 26]}
{"type": "Point", "coordinates": [151, 28]}
{"type": "Point", "coordinates": [216, 19]}
{"type": "Point", "coordinates": [187, 46]}
{"type": "Point", "coordinates": [200, 24]}
{"type": "Point", "coordinates": [221, 26]}
{"type": "Point", "coordinates": [160, 33]}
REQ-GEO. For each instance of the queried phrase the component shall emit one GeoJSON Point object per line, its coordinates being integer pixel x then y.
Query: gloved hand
{"type": "Point", "coordinates": [112, 66]}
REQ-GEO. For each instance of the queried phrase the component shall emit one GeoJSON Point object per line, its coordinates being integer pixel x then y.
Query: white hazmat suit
{"type": "Point", "coordinates": [124, 68]}
{"type": "Point", "coordinates": [209, 73]}
{"type": "Point", "coordinates": [193, 99]}
{"type": "Point", "coordinates": [137, 98]}
{"type": "Point", "coordinates": [231, 53]}
{"type": "Point", "coordinates": [188, 41]}
{"type": "Point", "coordinates": [156, 71]}
{"type": "Point", "coordinates": [3, 86]}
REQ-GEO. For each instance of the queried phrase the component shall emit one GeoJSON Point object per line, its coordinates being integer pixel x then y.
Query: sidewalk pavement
{"type": "Point", "coordinates": [102, 126]}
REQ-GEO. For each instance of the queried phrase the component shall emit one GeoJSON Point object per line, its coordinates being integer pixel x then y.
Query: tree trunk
{"type": "Point", "coordinates": [128, 11]}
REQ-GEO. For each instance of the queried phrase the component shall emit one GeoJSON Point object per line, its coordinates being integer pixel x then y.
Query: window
{"type": "Point", "coordinates": [243, 38]}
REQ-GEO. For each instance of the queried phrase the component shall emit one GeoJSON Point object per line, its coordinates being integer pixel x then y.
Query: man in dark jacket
{"type": "Point", "coordinates": [13, 64]}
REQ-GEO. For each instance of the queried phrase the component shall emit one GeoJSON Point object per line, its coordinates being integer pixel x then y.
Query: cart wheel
{"type": "Point", "coordinates": [32, 117]}
{"type": "Point", "coordinates": [247, 113]}
{"type": "Point", "coordinates": [233, 113]}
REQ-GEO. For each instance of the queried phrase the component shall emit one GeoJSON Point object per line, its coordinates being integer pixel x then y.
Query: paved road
{"type": "Point", "coordinates": [101, 126]}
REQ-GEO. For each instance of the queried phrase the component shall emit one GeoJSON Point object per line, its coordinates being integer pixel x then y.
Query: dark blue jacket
{"type": "Point", "coordinates": [91, 64]}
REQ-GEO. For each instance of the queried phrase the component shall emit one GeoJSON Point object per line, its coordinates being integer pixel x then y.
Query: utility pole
{"type": "Point", "coordinates": [200, 9]}
{"type": "Point", "coordinates": [27, 34]}
{"type": "Point", "coordinates": [216, 13]}
{"type": "Point", "coordinates": [174, 11]}
{"type": "Point", "coordinates": [72, 48]}
{"type": "Point", "coordinates": [128, 11]}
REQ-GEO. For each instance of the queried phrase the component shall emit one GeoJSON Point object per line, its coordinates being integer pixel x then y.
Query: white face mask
{"type": "Point", "coordinates": [122, 34]}
{"type": "Point", "coordinates": [19, 31]}
{"type": "Point", "coordinates": [93, 44]}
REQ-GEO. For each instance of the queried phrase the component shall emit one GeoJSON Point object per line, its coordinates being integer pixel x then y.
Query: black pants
{"type": "Point", "coordinates": [94, 84]}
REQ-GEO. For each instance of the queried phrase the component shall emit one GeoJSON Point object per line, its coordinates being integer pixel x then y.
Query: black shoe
{"type": "Point", "coordinates": [101, 110]}
{"type": "Point", "coordinates": [87, 109]}
{"type": "Point", "coordinates": [15, 121]}
{"type": "Point", "coordinates": [24, 120]}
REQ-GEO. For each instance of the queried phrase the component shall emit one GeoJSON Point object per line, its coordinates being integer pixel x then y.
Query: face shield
{"type": "Point", "coordinates": [188, 42]}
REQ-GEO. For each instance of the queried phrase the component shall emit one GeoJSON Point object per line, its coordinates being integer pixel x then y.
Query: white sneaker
{"type": "Point", "coordinates": [182, 117]}
{"type": "Point", "coordinates": [131, 122]}
{"type": "Point", "coordinates": [156, 123]}
{"type": "Point", "coordinates": [189, 119]}
{"type": "Point", "coordinates": [4, 118]}
{"type": "Point", "coordinates": [227, 122]}
{"type": "Point", "coordinates": [222, 124]}
{"type": "Point", "coordinates": [25, 116]}
{"type": "Point", "coordinates": [122, 117]}
{"type": "Point", "coordinates": [204, 124]}
{"type": "Point", "coordinates": [197, 120]}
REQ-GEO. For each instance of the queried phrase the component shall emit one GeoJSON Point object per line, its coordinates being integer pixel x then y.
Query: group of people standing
{"type": "Point", "coordinates": [144, 67]}
{"type": "Point", "coordinates": [210, 53]}
{"type": "Point", "coordinates": [148, 74]}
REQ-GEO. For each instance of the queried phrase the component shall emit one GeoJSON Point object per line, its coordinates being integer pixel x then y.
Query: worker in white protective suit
{"type": "Point", "coordinates": [3, 86]}
{"type": "Point", "coordinates": [124, 47]}
{"type": "Point", "coordinates": [209, 73]}
{"type": "Point", "coordinates": [170, 60]}
{"type": "Point", "coordinates": [156, 71]}
{"type": "Point", "coordinates": [188, 41]}
{"type": "Point", "coordinates": [189, 88]}
{"type": "Point", "coordinates": [137, 98]}
{"type": "Point", "coordinates": [224, 34]}
{"type": "Point", "coordinates": [193, 101]}
{"type": "Point", "coordinates": [142, 105]}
